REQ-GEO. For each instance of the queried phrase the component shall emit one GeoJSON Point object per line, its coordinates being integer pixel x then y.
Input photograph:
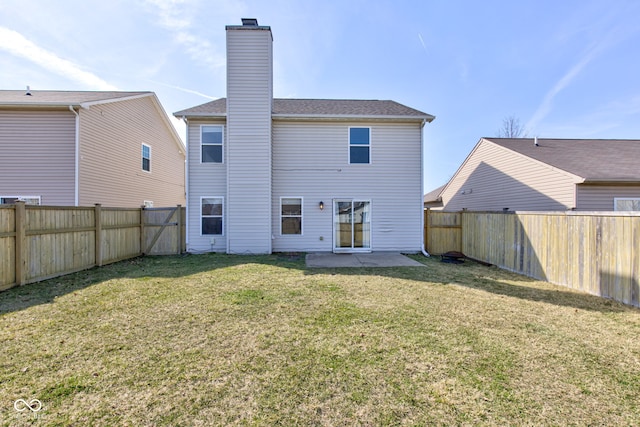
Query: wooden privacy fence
{"type": "Point", "coordinates": [594, 252]}
{"type": "Point", "coordinates": [42, 242]}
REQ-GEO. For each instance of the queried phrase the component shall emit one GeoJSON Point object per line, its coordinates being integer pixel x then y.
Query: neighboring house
{"type": "Point", "coordinates": [535, 174]}
{"type": "Point", "coordinates": [271, 175]}
{"type": "Point", "coordinates": [432, 199]}
{"type": "Point", "coordinates": [82, 148]}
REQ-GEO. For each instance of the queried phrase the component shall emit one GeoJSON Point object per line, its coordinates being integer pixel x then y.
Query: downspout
{"type": "Point", "coordinates": [77, 159]}
{"type": "Point", "coordinates": [186, 182]}
{"type": "Point", "coordinates": [422, 150]}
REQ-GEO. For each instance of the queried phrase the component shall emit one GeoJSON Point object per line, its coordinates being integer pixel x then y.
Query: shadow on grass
{"type": "Point", "coordinates": [491, 279]}
{"type": "Point", "coordinates": [45, 292]}
{"type": "Point", "coordinates": [469, 274]}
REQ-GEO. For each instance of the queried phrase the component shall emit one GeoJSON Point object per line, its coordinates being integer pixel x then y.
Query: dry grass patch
{"type": "Point", "coordinates": [224, 340]}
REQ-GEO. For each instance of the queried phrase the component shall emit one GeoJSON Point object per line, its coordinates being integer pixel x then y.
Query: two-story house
{"type": "Point", "coordinates": [79, 148]}
{"type": "Point", "coordinates": [267, 174]}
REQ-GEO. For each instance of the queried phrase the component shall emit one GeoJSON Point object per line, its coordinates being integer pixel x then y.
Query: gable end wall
{"type": "Point", "coordinates": [494, 178]}
{"type": "Point", "coordinates": [111, 138]}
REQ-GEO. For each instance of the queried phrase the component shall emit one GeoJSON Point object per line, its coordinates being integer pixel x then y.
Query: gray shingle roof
{"type": "Point", "coordinates": [213, 109]}
{"type": "Point", "coordinates": [595, 160]}
{"type": "Point", "coordinates": [55, 97]}
{"type": "Point", "coordinates": [434, 195]}
{"type": "Point", "coordinates": [317, 108]}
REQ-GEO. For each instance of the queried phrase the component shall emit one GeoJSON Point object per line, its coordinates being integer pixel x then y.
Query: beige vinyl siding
{"type": "Point", "coordinates": [111, 136]}
{"type": "Point", "coordinates": [205, 180]}
{"type": "Point", "coordinates": [249, 97]}
{"type": "Point", "coordinates": [310, 160]}
{"type": "Point", "coordinates": [38, 155]}
{"type": "Point", "coordinates": [494, 178]}
{"type": "Point", "coordinates": [600, 197]}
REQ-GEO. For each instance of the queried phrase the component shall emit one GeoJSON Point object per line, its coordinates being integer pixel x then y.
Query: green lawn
{"type": "Point", "coordinates": [232, 340]}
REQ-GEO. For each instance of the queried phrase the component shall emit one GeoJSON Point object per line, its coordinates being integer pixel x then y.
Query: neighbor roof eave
{"type": "Point", "coordinates": [602, 181]}
{"type": "Point", "coordinates": [39, 105]}
{"type": "Point", "coordinates": [200, 115]}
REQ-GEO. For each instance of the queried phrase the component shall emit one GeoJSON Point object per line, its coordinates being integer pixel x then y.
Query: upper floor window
{"type": "Point", "coordinates": [359, 145]}
{"type": "Point", "coordinates": [211, 140]}
{"type": "Point", "coordinates": [146, 158]}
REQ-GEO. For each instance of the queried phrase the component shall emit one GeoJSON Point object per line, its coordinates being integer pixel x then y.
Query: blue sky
{"type": "Point", "coordinates": [565, 69]}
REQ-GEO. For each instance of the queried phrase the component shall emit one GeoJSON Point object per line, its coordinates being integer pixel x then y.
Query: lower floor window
{"type": "Point", "coordinates": [211, 213]}
{"type": "Point", "coordinates": [291, 215]}
{"type": "Point", "coordinates": [28, 200]}
{"type": "Point", "coordinates": [627, 204]}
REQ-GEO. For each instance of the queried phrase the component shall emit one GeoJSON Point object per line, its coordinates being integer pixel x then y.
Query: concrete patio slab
{"type": "Point", "coordinates": [374, 259]}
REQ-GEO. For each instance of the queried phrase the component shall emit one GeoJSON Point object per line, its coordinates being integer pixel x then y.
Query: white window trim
{"type": "Point", "coordinates": [142, 155]}
{"type": "Point", "coordinates": [221, 144]}
{"type": "Point", "coordinates": [211, 216]}
{"type": "Point", "coordinates": [615, 202]}
{"type": "Point", "coordinates": [358, 145]}
{"type": "Point", "coordinates": [293, 216]}
{"type": "Point", "coordinates": [22, 198]}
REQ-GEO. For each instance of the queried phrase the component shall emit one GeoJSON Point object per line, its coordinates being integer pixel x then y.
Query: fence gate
{"type": "Point", "coordinates": [163, 232]}
{"type": "Point", "coordinates": [442, 231]}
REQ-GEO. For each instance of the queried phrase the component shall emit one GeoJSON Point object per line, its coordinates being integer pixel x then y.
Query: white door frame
{"type": "Point", "coordinates": [367, 229]}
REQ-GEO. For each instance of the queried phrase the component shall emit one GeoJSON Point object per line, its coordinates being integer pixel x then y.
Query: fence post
{"type": "Point", "coordinates": [462, 249]}
{"type": "Point", "coordinates": [21, 242]}
{"type": "Point", "coordinates": [142, 236]}
{"type": "Point", "coordinates": [98, 238]}
{"type": "Point", "coordinates": [179, 233]}
{"type": "Point", "coordinates": [425, 233]}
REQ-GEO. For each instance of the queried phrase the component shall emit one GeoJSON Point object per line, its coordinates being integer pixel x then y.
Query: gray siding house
{"type": "Point", "coordinates": [540, 174]}
{"type": "Point", "coordinates": [82, 148]}
{"type": "Point", "coordinates": [274, 175]}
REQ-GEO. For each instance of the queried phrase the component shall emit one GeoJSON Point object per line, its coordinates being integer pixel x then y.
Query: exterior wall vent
{"type": "Point", "coordinates": [249, 22]}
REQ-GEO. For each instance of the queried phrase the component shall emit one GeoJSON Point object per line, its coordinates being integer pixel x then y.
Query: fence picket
{"type": "Point", "coordinates": [594, 252]}
{"type": "Point", "coordinates": [42, 242]}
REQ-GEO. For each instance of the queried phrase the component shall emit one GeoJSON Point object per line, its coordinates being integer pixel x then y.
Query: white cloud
{"type": "Point", "coordinates": [172, 16]}
{"type": "Point", "coordinates": [424, 46]}
{"type": "Point", "coordinates": [191, 91]}
{"type": "Point", "coordinates": [608, 31]}
{"type": "Point", "coordinates": [17, 45]}
{"type": "Point", "coordinates": [545, 107]}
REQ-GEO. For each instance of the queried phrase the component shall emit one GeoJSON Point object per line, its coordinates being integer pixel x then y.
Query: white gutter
{"type": "Point", "coordinates": [422, 153]}
{"type": "Point", "coordinates": [77, 159]}
{"type": "Point", "coordinates": [292, 116]}
{"type": "Point", "coordinates": [186, 182]}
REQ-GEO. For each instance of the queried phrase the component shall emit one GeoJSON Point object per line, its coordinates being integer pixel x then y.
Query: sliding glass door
{"type": "Point", "coordinates": [351, 225]}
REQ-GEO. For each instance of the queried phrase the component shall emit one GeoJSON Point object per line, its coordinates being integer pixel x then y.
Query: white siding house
{"type": "Point", "coordinates": [269, 174]}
